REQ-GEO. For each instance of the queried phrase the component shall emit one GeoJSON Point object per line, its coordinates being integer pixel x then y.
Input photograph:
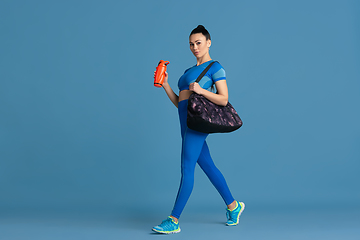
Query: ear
{"type": "Point", "coordinates": [209, 43]}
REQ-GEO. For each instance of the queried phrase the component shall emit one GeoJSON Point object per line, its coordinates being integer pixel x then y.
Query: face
{"type": "Point", "coordinates": [199, 46]}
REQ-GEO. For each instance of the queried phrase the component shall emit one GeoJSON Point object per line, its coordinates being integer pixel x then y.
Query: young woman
{"type": "Point", "coordinates": [194, 147]}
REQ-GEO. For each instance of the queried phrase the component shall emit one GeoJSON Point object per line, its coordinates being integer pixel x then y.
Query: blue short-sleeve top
{"type": "Point", "coordinates": [214, 74]}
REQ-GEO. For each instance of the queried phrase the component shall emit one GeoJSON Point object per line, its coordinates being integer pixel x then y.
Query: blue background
{"type": "Point", "coordinates": [83, 129]}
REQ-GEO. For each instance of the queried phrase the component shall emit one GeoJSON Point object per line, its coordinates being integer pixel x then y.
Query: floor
{"type": "Point", "coordinates": [289, 224]}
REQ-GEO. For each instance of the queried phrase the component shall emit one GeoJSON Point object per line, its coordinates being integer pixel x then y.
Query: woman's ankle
{"type": "Point", "coordinates": [232, 205]}
{"type": "Point", "coordinates": [175, 219]}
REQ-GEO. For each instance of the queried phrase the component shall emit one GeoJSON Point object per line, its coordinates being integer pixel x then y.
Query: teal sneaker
{"type": "Point", "coordinates": [234, 215]}
{"type": "Point", "coordinates": [167, 226]}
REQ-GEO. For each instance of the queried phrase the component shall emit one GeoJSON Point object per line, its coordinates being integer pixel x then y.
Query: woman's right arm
{"type": "Point", "coordinates": [172, 96]}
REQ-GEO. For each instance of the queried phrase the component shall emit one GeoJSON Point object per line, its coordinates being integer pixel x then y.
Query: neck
{"type": "Point", "coordinates": [203, 59]}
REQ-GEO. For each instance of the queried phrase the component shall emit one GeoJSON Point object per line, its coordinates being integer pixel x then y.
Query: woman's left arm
{"type": "Point", "coordinates": [220, 98]}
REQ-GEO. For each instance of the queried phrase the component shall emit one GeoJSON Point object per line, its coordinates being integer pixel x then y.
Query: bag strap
{"type": "Point", "coordinates": [204, 72]}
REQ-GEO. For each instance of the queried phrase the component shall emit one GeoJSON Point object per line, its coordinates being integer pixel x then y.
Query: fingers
{"type": "Point", "coordinates": [192, 86]}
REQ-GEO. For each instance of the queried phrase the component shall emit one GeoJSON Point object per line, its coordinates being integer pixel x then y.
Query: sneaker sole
{"type": "Point", "coordinates": [238, 217]}
{"type": "Point", "coordinates": [167, 232]}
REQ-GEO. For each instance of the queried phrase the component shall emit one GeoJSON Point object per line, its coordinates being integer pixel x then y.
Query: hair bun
{"type": "Point", "coordinates": [201, 29]}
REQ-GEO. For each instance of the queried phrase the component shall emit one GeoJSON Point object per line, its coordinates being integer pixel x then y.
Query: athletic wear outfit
{"type": "Point", "coordinates": [214, 74]}
{"type": "Point", "coordinates": [195, 150]}
{"type": "Point", "coordinates": [194, 147]}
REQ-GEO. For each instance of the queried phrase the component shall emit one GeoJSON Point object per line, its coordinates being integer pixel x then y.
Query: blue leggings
{"type": "Point", "coordinates": [195, 150]}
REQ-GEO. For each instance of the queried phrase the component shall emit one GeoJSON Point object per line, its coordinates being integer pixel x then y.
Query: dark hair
{"type": "Point", "coordinates": [201, 29]}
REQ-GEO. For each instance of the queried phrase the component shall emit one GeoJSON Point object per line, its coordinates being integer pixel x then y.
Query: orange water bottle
{"type": "Point", "coordinates": [160, 73]}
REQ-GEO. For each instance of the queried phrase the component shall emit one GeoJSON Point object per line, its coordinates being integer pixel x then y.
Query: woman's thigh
{"type": "Point", "coordinates": [193, 142]}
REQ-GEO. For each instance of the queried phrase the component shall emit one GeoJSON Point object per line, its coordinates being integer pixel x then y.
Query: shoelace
{"type": "Point", "coordinates": [166, 224]}
{"type": "Point", "coordinates": [228, 215]}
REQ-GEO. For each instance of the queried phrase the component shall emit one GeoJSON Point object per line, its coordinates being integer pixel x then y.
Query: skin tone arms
{"type": "Point", "coordinates": [220, 98]}
{"type": "Point", "coordinates": [170, 93]}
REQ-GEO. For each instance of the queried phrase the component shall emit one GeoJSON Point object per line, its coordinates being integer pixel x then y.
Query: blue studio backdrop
{"type": "Point", "coordinates": [83, 128]}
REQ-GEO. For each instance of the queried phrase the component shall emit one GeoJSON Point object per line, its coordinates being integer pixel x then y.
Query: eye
{"type": "Point", "coordinates": [198, 43]}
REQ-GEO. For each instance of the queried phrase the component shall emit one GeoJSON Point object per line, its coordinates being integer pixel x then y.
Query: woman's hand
{"type": "Point", "coordinates": [166, 77]}
{"type": "Point", "coordinates": [195, 87]}
{"type": "Point", "coordinates": [172, 96]}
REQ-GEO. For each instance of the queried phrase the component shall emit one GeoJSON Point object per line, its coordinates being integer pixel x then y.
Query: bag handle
{"type": "Point", "coordinates": [204, 72]}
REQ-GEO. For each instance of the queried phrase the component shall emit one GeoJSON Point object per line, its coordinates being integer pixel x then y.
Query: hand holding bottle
{"type": "Point", "coordinates": [160, 73]}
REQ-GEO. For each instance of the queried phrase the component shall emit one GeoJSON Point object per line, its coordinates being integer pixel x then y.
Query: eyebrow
{"type": "Point", "coordinates": [196, 41]}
